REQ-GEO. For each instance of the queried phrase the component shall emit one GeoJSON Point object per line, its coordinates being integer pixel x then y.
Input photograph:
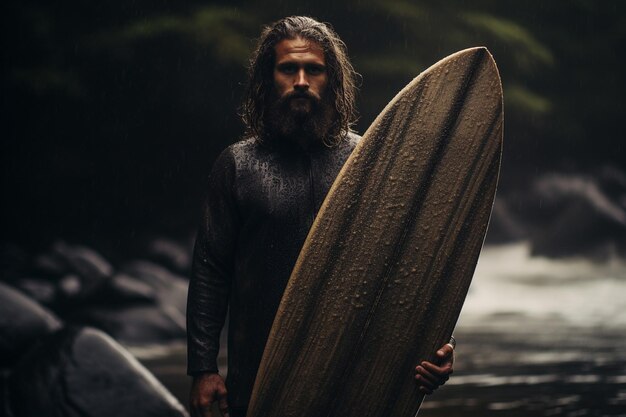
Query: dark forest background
{"type": "Point", "coordinates": [112, 112]}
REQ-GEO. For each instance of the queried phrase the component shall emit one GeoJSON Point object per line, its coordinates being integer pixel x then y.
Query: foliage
{"type": "Point", "coordinates": [136, 98]}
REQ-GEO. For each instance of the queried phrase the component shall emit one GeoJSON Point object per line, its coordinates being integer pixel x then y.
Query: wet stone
{"type": "Point", "coordinates": [578, 215]}
{"type": "Point", "coordinates": [22, 322]}
{"type": "Point", "coordinates": [171, 254]}
{"type": "Point", "coordinates": [124, 289]}
{"type": "Point", "coordinates": [89, 266]}
{"type": "Point", "coordinates": [83, 372]}
{"type": "Point", "coordinates": [135, 325]}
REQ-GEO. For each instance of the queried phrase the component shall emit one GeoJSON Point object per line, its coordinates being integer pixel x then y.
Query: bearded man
{"type": "Point", "coordinates": [263, 195]}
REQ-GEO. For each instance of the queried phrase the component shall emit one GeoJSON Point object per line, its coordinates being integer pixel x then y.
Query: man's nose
{"type": "Point", "coordinates": [302, 81]}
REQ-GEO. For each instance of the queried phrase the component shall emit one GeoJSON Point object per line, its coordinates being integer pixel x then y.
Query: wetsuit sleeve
{"type": "Point", "coordinates": [212, 269]}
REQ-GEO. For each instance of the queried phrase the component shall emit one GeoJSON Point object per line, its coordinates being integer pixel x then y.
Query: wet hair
{"type": "Point", "coordinates": [341, 75]}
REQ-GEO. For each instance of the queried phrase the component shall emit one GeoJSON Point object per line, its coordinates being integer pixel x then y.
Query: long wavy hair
{"type": "Point", "coordinates": [342, 78]}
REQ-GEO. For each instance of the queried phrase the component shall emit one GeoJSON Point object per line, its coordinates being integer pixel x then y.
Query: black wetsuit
{"type": "Point", "coordinates": [262, 200]}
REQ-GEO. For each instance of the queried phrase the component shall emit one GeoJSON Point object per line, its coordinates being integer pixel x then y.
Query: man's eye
{"type": "Point", "coordinates": [288, 69]}
{"type": "Point", "coordinates": [315, 70]}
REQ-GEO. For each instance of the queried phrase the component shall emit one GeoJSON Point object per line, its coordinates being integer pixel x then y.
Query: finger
{"type": "Point", "coordinates": [445, 351]}
{"type": "Point", "coordinates": [432, 380]}
{"type": "Point", "coordinates": [439, 371]}
{"type": "Point", "coordinates": [427, 378]}
{"type": "Point", "coordinates": [223, 406]}
{"type": "Point", "coordinates": [205, 408]}
{"type": "Point", "coordinates": [425, 385]}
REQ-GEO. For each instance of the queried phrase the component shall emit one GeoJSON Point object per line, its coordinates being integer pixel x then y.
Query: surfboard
{"type": "Point", "coordinates": [382, 276]}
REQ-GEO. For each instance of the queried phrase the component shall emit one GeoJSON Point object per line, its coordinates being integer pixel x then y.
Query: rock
{"type": "Point", "coordinates": [87, 271]}
{"type": "Point", "coordinates": [123, 289]}
{"type": "Point", "coordinates": [171, 289]}
{"type": "Point", "coordinates": [44, 291]}
{"type": "Point", "coordinates": [171, 254]}
{"type": "Point", "coordinates": [578, 215]}
{"type": "Point", "coordinates": [135, 325]}
{"type": "Point", "coordinates": [83, 372]}
{"type": "Point", "coordinates": [22, 323]}
{"type": "Point", "coordinates": [49, 265]}
{"type": "Point", "coordinates": [83, 261]}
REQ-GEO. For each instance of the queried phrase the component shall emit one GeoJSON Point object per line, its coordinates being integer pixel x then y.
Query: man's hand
{"type": "Point", "coordinates": [430, 376]}
{"type": "Point", "coordinates": [205, 390]}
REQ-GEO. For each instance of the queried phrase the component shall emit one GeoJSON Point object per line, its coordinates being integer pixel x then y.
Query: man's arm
{"type": "Point", "coordinates": [209, 287]}
{"type": "Point", "coordinates": [430, 376]}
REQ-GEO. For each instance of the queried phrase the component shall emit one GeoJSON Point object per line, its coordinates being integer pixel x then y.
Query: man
{"type": "Point", "coordinates": [264, 193]}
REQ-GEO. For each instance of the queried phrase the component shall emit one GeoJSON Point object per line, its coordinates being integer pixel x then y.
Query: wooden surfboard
{"type": "Point", "coordinates": [381, 279]}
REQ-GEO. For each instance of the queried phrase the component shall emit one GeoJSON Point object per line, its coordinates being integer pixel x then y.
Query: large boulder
{"type": "Point", "coordinates": [578, 215]}
{"type": "Point", "coordinates": [83, 372]}
{"type": "Point", "coordinates": [22, 322]}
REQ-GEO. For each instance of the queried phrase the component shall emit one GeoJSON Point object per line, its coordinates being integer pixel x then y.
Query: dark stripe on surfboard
{"type": "Point", "coordinates": [461, 240]}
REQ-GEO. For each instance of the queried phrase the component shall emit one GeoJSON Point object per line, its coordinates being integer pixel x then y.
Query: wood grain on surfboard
{"type": "Point", "coordinates": [381, 279]}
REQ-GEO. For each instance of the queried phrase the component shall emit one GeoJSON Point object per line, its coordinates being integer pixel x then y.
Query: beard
{"type": "Point", "coordinates": [300, 116]}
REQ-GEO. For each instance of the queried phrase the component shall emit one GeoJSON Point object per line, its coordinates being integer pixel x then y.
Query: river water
{"type": "Point", "coordinates": [539, 337]}
{"type": "Point", "coordinates": [536, 337]}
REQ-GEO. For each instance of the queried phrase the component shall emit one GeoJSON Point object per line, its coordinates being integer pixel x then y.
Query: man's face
{"type": "Point", "coordinates": [300, 76]}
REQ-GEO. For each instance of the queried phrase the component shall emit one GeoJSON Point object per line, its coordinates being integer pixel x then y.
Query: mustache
{"type": "Point", "coordinates": [299, 94]}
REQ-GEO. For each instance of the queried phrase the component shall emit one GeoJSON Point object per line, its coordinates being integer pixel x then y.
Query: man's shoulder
{"type": "Point", "coordinates": [243, 155]}
{"type": "Point", "coordinates": [242, 145]}
{"type": "Point", "coordinates": [348, 143]}
{"type": "Point", "coordinates": [240, 150]}
{"type": "Point", "coordinates": [353, 138]}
